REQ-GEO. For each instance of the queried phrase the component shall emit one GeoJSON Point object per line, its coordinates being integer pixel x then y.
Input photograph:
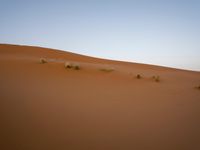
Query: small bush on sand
{"type": "Point", "coordinates": [156, 78]}
{"type": "Point", "coordinates": [107, 69]}
{"type": "Point", "coordinates": [76, 67]}
{"type": "Point", "coordinates": [138, 76]}
{"type": "Point", "coordinates": [198, 87]}
{"type": "Point", "coordinates": [43, 61]}
{"type": "Point", "coordinates": [68, 65]}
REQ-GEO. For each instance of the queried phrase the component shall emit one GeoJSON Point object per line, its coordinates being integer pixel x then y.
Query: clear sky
{"type": "Point", "coordinates": [160, 32]}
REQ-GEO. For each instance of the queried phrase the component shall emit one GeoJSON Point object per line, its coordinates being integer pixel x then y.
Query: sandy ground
{"type": "Point", "coordinates": [102, 106]}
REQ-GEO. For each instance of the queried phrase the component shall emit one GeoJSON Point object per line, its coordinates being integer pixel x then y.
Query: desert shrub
{"type": "Point", "coordinates": [76, 67]}
{"type": "Point", "coordinates": [43, 60]}
{"type": "Point", "coordinates": [198, 87]}
{"type": "Point", "coordinates": [138, 76]}
{"type": "Point", "coordinates": [68, 65]}
{"type": "Point", "coordinates": [156, 78]}
{"type": "Point", "coordinates": [107, 69]}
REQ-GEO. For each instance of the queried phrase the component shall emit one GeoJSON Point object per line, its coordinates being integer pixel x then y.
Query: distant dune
{"type": "Point", "coordinates": [56, 100]}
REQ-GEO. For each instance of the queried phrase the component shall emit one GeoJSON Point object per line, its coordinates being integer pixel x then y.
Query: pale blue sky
{"type": "Point", "coordinates": [160, 32]}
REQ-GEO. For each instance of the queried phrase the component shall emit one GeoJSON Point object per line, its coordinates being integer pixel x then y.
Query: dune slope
{"type": "Point", "coordinates": [101, 106]}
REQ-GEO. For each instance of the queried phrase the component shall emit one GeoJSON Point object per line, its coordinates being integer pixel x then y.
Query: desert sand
{"type": "Point", "coordinates": [100, 106]}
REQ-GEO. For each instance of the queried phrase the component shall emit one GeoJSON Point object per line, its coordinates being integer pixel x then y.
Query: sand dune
{"type": "Point", "coordinates": [101, 106]}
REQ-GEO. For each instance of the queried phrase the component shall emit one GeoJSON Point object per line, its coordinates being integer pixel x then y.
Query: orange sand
{"type": "Point", "coordinates": [102, 106]}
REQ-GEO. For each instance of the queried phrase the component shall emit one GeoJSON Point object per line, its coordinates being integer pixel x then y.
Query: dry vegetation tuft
{"type": "Point", "coordinates": [138, 76]}
{"type": "Point", "coordinates": [77, 67]}
{"type": "Point", "coordinates": [198, 87]}
{"type": "Point", "coordinates": [69, 65]}
{"type": "Point", "coordinates": [107, 69]}
{"type": "Point", "coordinates": [156, 78]}
{"type": "Point", "coordinates": [43, 61]}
